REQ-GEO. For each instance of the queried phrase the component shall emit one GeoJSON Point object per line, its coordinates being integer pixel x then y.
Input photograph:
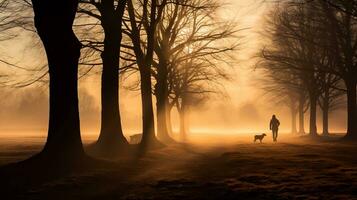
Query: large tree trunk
{"type": "Point", "coordinates": [161, 103]}
{"type": "Point", "coordinates": [149, 138]}
{"type": "Point", "coordinates": [301, 115]}
{"type": "Point", "coordinates": [350, 80]}
{"type": "Point", "coordinates": [325, 116]}
{"type": "Point", "coordinates": [313, 109]}
{"type": "Point", "coordinates": [351, 110]}
{"type": "Point", "coordinates": [293, 120]}
{"type": "Point", "coordinates": [53, 23]}
{"type": "Point", "coordinates": [111, 134]}
{"type": "Point", "coordinates": [168, 119]}
{"type": "Point", "coordinates": [163, 124]}
{"type": "Point", "coordinates": [145, 62]}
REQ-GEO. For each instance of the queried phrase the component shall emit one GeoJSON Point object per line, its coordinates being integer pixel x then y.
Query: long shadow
{"type": "Point", "coordinates": [19, 178]}
{"type": "Point", "coordinates": [331, 138]}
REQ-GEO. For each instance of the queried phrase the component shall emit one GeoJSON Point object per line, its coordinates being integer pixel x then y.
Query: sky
{"type": "Point", "coordinates": [246, 109]}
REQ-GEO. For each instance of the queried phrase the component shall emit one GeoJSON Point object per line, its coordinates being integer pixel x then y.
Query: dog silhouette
{"type": "Point", "coordinates": [259, 137]}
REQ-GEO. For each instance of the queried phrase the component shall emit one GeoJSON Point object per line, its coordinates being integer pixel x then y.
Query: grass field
{"type": "Point", "coordinates": [219, 167]}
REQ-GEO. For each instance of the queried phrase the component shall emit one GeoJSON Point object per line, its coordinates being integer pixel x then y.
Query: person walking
{"type": "Point", "coordinates": [274, 127]}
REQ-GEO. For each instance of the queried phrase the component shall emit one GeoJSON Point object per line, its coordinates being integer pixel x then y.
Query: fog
{"type": "Point", "coordinates": [25, 111]}
{"type": "Point", "coordinates": [245, 108]}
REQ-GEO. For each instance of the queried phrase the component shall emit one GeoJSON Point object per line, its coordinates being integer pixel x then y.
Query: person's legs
{"type": "Point", "coordinates": [273, 132]}
{"type": "Point", "coordinates": [276, 135]}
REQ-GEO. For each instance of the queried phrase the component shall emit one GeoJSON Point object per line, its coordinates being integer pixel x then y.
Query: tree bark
{"type": "Point", "coordinates": [53, 23]}
{"type": "Point", "coordinates": [351, 110]}
{"type": "Point", "coordinates": [313, 109]}
{"type": "Point", "coordinates": [149, 137]}
{"type": "Point", "coordinates": [325, 117]}
{"type": "Point", "coordinates": [161, 102]}
{"type": "Point", "coordinates": [301, 115]}
{"type": "Point", "coordinates": [182, 110]}
{"type": "Point", "coordinates": [111, 133]}
{"type": "Point", "coordinates": [145, 63]}
{"type": "Point", "coordinates": [293, 119]}
{"type": "Point", "coordinates": [169, 120]}
{"type": "Point", "coordinates": [349, 68]}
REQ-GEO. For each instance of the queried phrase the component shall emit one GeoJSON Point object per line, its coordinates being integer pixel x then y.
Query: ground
{"type": "Point", "coordinates": [230, 168]}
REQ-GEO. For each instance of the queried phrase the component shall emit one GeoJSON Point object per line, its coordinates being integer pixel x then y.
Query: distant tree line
{"type": "Point", "coordinates": [310, 60]}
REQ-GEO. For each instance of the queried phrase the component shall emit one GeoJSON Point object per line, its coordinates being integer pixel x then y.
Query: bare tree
{"type": "Point", "coordinates": [53, 23]}
{"type": "Point", "coordinates": [303, 107]}
{"type": "Point", "coordinates": [288, 55]}
{"type": "Point", "coordinates": [283, 88]}
{"type": "Point", "coordinates": [103, 19]}
{"type": "Point", "coordinates": [299, 46]}
{"type": "Point", "coordinates": [15, 17]}
{"type": "Point", "coordinates": [330, 98]}
{"type": "Point", "coordinates": [196, 78]}
{"type": "Point", "coordinates": [142, 30]}
{"type": "Point", "coordinates": [99, 24]}
{"type": "Point", "coordinates": [184, 23]}
{"type": "Point", "coordinates": [342, 33]}
{"type": "Point", "coordinates": [339, 26]}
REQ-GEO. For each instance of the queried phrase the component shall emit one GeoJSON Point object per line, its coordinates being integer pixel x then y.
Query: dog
{"type": "Point", "coordinates": [259, 137]}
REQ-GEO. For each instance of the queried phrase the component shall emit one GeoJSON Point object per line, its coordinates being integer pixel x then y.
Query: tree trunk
{"type": "Point", "coordinates": [183, 113]}
{"type": "Point", "coordinates": [313, 108]}
{"type": "Point", "coordinates": [161, 101]}
{"type": "Point", "coordinates": [325, 116]}
{"type": "Point", "coordinates": [53, 23]}
{"type": "Point", "coordinates": [145, 62]}
{"type": "Point", "coordinates": [111, 133]}
{"type": "Point", "coordinates": [293, 120]}
{"type": "Point", "coordinates": [183, 133]}
{"type": "Point", "coordinates": [351, 110]}
{"type": "Point", "coordinates": [168, 119]}
{"type": "Point", "coordinates": [301, 116]}
{"type": "Point", "coordinates": [149, 137]}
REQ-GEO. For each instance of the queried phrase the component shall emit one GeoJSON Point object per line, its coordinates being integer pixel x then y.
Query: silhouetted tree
{"type": "Point", "coordinates": [303, 107]}
{"type": "Point", "coordinates": [143, 19]}
{"type": "Point", "coordinates": [171, 23]}
{"type": "Point", "coordinates": [192, 82]}
{"type": "Point", "coordinates": [330, 98]}
{"type": "Point", "coordinates": [198, 46]}
{"type": "Point", "coordinates": [184, 23]}
{"type": "Point", "coordinates": [53, 23]}
{"type": "Point", "coordinates": [342, 33]}
{"type": "Point", "coordinates": [302, 48]}
{"type": "Point", "coordinates": [291, 55]}
{"type": "Point", "coordinates": [183, 104]}
{"type": "Point", "coordinates": [110, 15]}
{"type": "Point", "coordinates": [283, 88]}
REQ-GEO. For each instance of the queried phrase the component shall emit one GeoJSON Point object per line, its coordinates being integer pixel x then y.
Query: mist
{"type": "Point", "coordinates": [25, 111]}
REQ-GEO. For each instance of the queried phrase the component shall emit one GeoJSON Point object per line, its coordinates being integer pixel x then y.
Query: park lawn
{"type": "Point", "coordinates": [290, 169]}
